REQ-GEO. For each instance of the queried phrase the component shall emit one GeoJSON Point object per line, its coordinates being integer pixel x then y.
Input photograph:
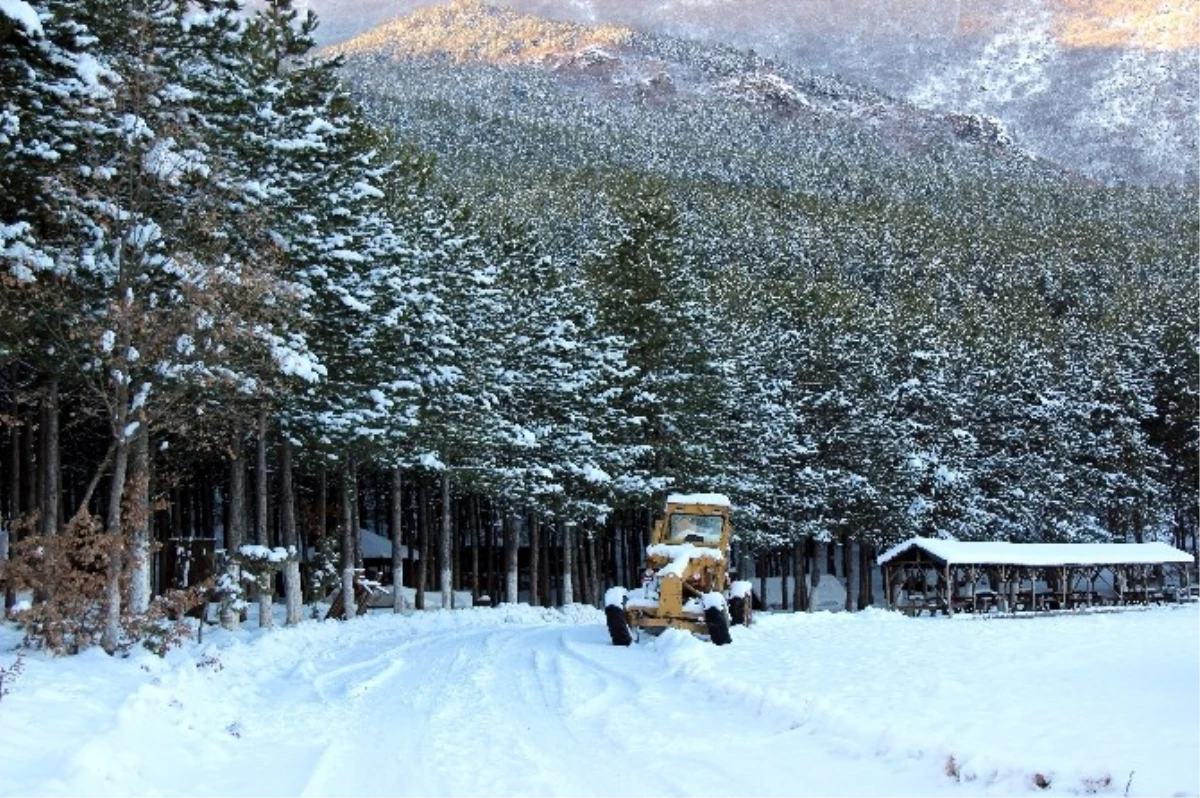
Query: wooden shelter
{"type": "Point", "coordinates": [959, 576]}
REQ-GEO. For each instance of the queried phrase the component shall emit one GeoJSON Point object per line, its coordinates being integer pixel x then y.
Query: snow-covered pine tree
{"type": "Point", "coordinates": [142, 269]}
{"type": "Point", "coordinates": [648, 293]}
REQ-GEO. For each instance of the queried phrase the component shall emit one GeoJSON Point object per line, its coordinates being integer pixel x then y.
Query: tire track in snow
{"type": "Point", "coordinates": [512, 711]}
{"type": "Point", "coordinates": [529, 709]}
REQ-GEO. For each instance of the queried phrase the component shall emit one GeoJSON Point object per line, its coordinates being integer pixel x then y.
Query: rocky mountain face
{"type": "Point", "coordinates": [1107, 89]}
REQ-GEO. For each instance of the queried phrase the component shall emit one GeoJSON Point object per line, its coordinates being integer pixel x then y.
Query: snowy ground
{"type": "Point", "coordinates": [522, 701]}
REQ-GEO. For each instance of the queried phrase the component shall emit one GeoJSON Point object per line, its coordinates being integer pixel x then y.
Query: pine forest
{"type": "Point", "coordinates": [491, 286]}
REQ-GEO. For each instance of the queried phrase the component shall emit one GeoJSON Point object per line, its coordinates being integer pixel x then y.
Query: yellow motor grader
{"type": "Point", "coordinates": [686, 582]}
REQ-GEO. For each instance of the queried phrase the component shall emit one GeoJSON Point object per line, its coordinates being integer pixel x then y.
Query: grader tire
{"type": "Point", "coordinates": [718, 626]}
{"type": "Point", "coordinates": [618, 628]}
{"type": "Point", "coordinates": [739, 611]}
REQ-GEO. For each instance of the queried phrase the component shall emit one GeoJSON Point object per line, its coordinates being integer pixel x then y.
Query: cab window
{"type": "Point", "coordinates": [689, 528]}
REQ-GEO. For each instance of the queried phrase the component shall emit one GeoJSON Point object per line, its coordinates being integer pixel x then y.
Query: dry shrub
{"type": "Point", "coordinates": [66, 574]}
{"type": "Point", "coordinates": [165, 625]}
{"type": "Point", "coordinates": [1041, 781]}
{"type": "Point", "coordinates": [9, 675]}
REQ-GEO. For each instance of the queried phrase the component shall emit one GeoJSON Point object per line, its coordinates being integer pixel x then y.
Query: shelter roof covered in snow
{"type": "Point", "coordinates": [377, 547]}
{"type": "Point", "coordinates": [959, 552]}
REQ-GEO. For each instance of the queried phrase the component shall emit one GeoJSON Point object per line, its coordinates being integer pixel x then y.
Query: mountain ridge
{"type": "Point", "coordinates": [1081, 88]}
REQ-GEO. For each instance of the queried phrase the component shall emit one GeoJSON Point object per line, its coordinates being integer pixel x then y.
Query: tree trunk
{"type": "Point", "coordinates": [535, 553]}
{"type": "Point", "coordinates": [544, 576]}
{"type": "Point", "coordinates": [587, 566]}
{"type": "Point", "coordinates": [568, 563]}
{"type": "Point", "coordinates": [235, 537]}
{"type": "Point", "coordinates": [316, 536]}
{"type": "Point", "coordinates": [582, 574]}
{"type": "Point", "coordinates": [347, 540]}
{"type": "Point", "coordinates": [490, 550]}
{"type": "Point", "coordinates": [139, 521]}
{"type": "Point", "coordinates": [461, 537]}
{"type": "Point", "coordinates": [14, 478]}
{"type": "Point", "coordinates": [110, 637]}
{"type": "Point", "coordinates": [847, 568]}
{"type": "Point", "coordinates": [51, 471]}
{"type": "Point", "coordinates": [800, 567]}
{"type": "Point", "coordinates": [447, 548]}
{"type": "Point", "coordinates": [511, 560]}
{"type": "Point", "coordinates": [629, 539]}
{"type": "Point", "coordinates": [355, 518]}
{"type": "Point", "coordinates": [287, 527]}
{"type": "Point", "coordinates": [378, 494]}
{"type": "Point", "coordinates": [764, 563]}
{"type": "Point", "coordinates": [784, 569]}
{"type": "Point", "coordinates": [14, 454]}
{"type": "Point", "coordinates": [814, 552]}
{"type": "Point", "coordinates": [266, 583]}
{"type": "Point", "coordinates": [422, 539]}
{"type": "Point", "coordinates": [476, 534]}
{"type": "Point", "coordinates": [594, 595]}
{"type": "Point", "coordinates": [866, 566]}
{"type": "Point", "coordinates": [397, 506]}
{"type": "Point", "coordinates": [31, 485]}
{"type": "Point", "coordinates": [4, 568]}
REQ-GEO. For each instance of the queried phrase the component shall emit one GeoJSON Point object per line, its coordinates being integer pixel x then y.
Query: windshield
{"type": "Point", "coordinates": [689, 528]}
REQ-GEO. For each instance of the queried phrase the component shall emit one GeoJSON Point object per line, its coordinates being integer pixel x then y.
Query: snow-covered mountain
{"type": "Point", "coordinates": [1108, 89]}
{"type": "Point", "coordinates": [537, 119]}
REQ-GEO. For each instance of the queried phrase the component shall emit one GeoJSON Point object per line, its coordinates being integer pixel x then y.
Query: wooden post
{"type": "Point", "coordinates": [1005, 592]}
{"type": "Point", "coordinates": [949, 598]}
{"type": "Point", "coordinates": [887, 586]}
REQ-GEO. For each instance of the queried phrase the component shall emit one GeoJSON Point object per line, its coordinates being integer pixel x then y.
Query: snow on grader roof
{"type": "Point", "coordinates": [958, 552]}
{"type": "Point", "coordinates": [699, 498]}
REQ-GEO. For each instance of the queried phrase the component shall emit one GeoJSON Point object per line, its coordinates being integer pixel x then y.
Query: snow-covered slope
{"type": "Point", "coordinates": [1107, 88]}
{"type": "Point", "coordinates": [523, 701]}
{"type": "Point", "coordinates": [537, 120]}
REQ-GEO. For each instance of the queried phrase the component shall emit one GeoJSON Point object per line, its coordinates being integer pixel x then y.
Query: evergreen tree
{"type": "Point", "coordinates": [651, 296]}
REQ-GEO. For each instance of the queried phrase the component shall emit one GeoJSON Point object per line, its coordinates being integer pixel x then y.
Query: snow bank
{"type": "Point", "coordinates": [1083, 702]}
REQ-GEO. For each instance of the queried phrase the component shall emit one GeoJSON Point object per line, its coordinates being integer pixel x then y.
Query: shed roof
{"type": "Point", "coordinates": [377, 547]}
{"type": "Point", "coordinates": [959, 552]}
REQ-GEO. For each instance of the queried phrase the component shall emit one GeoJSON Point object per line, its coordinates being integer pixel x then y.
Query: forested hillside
{"type": "Point", "coordinates": [494, 284]}
{"type": "Point", "coordinates": [884, 289]}
{"type": "Point", "coordinates": [1106, 87]}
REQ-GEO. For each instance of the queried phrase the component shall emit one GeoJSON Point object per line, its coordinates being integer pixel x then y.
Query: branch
{"type": "Point", "coordinates": [91, 488]}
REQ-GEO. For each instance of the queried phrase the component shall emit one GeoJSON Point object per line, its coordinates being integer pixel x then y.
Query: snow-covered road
{"type": "Point", "coordinates": [523, 701]}
{"type": "Point", "coordinates": [554, 710]}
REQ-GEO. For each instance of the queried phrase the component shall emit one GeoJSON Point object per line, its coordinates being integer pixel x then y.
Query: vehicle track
{"type": "Point", "coordinates": [405, 712]}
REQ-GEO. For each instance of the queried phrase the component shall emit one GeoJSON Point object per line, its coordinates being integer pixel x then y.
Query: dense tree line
{"type": "Point", "coordinates": [238, 307]}
{"type": "Point", "coordinates": [920, 328]}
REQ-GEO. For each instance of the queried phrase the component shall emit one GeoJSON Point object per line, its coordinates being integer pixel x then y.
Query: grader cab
{"type": "Point", "coordinates": [685, 584]}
